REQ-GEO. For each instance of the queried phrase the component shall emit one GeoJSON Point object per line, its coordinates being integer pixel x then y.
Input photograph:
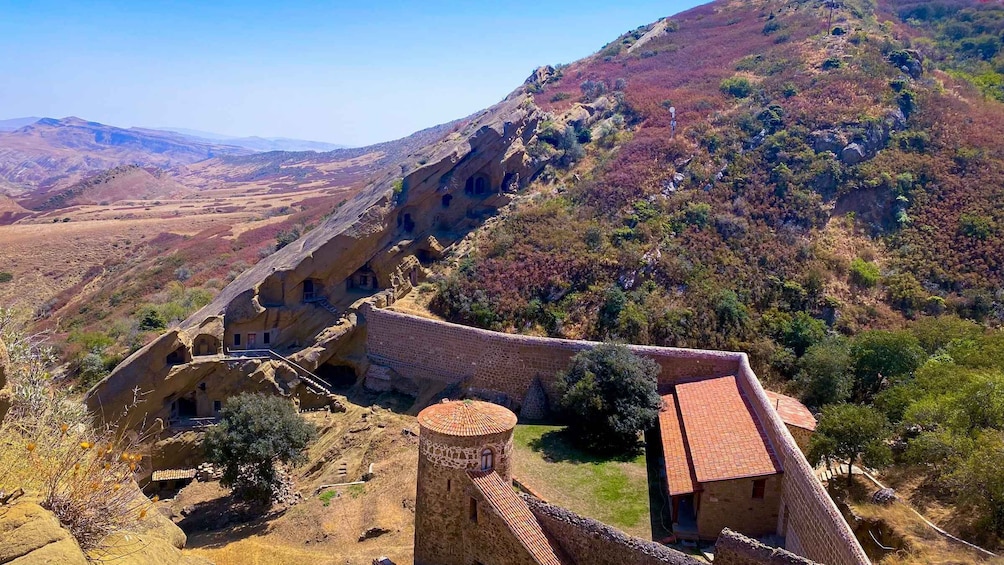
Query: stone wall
{"type": "Point", "coordinates": [588, 542]}
{"type": "Point", "coordinates": [424, 349]}
{"type": "Point", "coordinates": [736, 549]}
{"type": "Point", "coordinates": [730, 504]}
{"type": "Point", "coordinates": [809, 521]}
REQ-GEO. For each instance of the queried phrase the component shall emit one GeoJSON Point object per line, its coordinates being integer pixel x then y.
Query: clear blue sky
{"type": "Point", "coordinates": [344, 72]}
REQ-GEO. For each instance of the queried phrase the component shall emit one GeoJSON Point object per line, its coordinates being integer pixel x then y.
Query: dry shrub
{"type": "Point", "coordinates": [49, 448]}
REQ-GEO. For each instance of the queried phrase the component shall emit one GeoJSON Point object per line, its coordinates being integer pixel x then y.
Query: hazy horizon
{"type": "Point", "coordinates": [350, 75]}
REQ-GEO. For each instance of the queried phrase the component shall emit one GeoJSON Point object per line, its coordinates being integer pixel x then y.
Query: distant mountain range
{"type": "Point", "coordinates": [17, 123]}
{"type": "Point", "coordinates": [256, 143]}
{"type": "Point", "coordinates": [52, 154]}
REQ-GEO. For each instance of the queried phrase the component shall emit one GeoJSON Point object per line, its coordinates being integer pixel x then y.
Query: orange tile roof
{"type": "Point", "coordinates": [514, 511]}
{"type": "Point", "coordinates": [679, 469]}
{"type": "Point", "coordinates": [726, 441]}
{"type": "Point", "coordinates": [467, 418]}
{"type": "Point", "coordinates": [173, 474]}
{"type": "Point", "coordinates": [792, 411]}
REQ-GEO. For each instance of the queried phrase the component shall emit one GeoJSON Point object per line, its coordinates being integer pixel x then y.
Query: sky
{"type": "Point", "coordinates": [353, 73]}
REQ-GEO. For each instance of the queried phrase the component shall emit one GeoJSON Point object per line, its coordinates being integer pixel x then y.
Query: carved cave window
{"type": "Point", "coordinates": [474, 511]}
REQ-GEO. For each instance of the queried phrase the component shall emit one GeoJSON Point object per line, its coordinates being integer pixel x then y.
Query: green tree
{"type": "Point", "coordinates": [979, 479]}
{"type": "Point", "coordinates": [879, 355]}
{"type": "Point", "coordinates": [824, 373]}
{"type": "Point", "coordinates": [255, 433]}
{"type": "Point", "coordinates": [612, 395]}
{"type": "Point", "coordinates": [849, 432]}
{"type": "Point", "coordinates": [92, 369]}
{"type": "Point", "coordinates": [802, 332]}
{"type": "Point", "coordinates": [151, 320]}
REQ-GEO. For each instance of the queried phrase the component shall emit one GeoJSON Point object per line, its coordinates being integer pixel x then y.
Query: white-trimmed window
{"type": "Point", "coordinates": [487, 459]}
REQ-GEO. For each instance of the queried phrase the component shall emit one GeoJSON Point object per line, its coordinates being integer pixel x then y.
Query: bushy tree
{"type": "Point", "coordinates": [849, 432]}
{"type": "Point", "coordinates": [878, 355]}
{"type": "Point", "coordinates": [979, 479]}
{"type": "Point", "coordinates": [824, 373]}
{"type": "Point", "coordinates": [255, 433]}
{"type": "Point", "coordinates": [610, 394]}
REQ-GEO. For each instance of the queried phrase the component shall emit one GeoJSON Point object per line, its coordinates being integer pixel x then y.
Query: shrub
{"type": "Point", "coordinates": [864, 273]}
{"type": "Point", "coordinates": [737, 87]}
{"type": "Point", "coordinates": [831, 64]}
{"type": "Point", "coordinates": [50, 450]}
{"type": "Point", "coordinates": [151, 320]}
{"type": "Point", "coordinates": [254, 433]}
{"type": "Point", "coordinates": [612, 395]}
{"type": "Point", "coordinates": [6, 277]}
{"type": "Point", "coordinates": [975, 226]}
{"type": "Point", "coordinates": [284, 237]}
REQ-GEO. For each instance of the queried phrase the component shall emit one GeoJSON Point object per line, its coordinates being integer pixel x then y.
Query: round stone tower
{"type": "Point", "coordinates": [455, 438]}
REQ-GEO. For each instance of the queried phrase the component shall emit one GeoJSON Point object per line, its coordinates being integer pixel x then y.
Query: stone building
{"type": "Point", "coordinates": [796, 417]}
{"type": "Point", "coordinates": [468, 513]}
{"type": "Point", "coordinates": [720, 469]}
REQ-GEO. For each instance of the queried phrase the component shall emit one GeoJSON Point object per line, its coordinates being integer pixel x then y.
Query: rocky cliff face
{"type": "Point", "coordinates": [301, 301]}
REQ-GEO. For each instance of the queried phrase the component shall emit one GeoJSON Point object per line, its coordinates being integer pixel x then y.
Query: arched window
{"type": "Point", "coordinates": [487, 459]}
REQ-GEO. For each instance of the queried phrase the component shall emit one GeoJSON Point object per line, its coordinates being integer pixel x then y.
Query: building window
{"type": "Point", "coordinates": [217, 406]}
{"type": "Point", "coordinates": [252, 340]}
{"type": "Point", "coordinates": [237, 340]}
{"type": "Point", "coordinates": [487, 459]}
{"type": "Point", "coordinates": [759, 488]}
{"type": "Point", "coordinates": [447, 485]}
{"type": "Point", "coordinates": [474, 511]}
{"type": "Point", "coordinates": [266, 338]}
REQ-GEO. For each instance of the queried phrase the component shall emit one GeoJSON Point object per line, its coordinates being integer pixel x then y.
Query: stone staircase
{"type": "Point", "coordinates": [309, 379]}
{"type": "Point", "coordinates": [322, 302]}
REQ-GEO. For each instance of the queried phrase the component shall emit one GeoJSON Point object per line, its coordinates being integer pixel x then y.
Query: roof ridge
{"type": "Point", "coordinates": [516, 514]}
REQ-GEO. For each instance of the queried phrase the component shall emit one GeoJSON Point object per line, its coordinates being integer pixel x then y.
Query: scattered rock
{"type": "Point", "coordinates": [373, 533]}
{"type": "Point", "coordinates": [884, 496]}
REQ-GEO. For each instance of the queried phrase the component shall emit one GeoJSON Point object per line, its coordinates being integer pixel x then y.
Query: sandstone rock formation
{"type": "Point", "coordinates": [301, 303]}
{"type": "Point", "coordinates": [30, 534]}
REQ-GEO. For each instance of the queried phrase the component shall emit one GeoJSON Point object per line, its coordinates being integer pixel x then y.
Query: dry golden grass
{"type": "Point", "coordinates": [85, 477]}
{"type": "Point", "coordinates": [327, 530]}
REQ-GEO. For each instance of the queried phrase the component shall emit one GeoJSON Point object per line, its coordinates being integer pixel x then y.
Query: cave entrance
{"type": "Point", "coordinates": [446, 200]}
{"type": "Point", "coordinates": [338, 376]}
{"type": "Point", "coordinates": [207, 345]}
{"type": "Point", "coordinates": [185, 407]}
{"type": "Point", "coordinates": [177, 357]}
{"type": "Point", "coordinates": [312, 290]}
{"type": "Point", "coordinates": [477, 185]}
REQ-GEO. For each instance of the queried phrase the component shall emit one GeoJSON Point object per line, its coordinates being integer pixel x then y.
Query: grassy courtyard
{"type": "Point", "coordinates": [613, 491]}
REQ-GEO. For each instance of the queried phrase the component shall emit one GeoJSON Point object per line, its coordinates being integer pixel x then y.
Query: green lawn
{"type": "Point", "coordinates": [612, 491]}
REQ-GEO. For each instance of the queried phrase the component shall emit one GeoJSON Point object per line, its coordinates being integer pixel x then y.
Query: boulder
{"type": "Point", "coordinates": [30, 535]}
{"type": "Point", "coordinates": [828, 140]}
{"type": "Point", "coordinates": [852, 154]}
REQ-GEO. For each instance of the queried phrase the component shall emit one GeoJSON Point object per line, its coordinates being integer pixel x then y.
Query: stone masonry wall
{"type": "Point", "coordinates": [809, 521]}
{"type": "Point", "coordinates": [420, 348]}
{"type": "Point", "coordinates": [424, 349]}
{"type": "Point", "coordinates": [736, 549]}
{"type": "Point", "coordinates": [730, 504]}
{"type": "Point", "coordinates": [588, 542]}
